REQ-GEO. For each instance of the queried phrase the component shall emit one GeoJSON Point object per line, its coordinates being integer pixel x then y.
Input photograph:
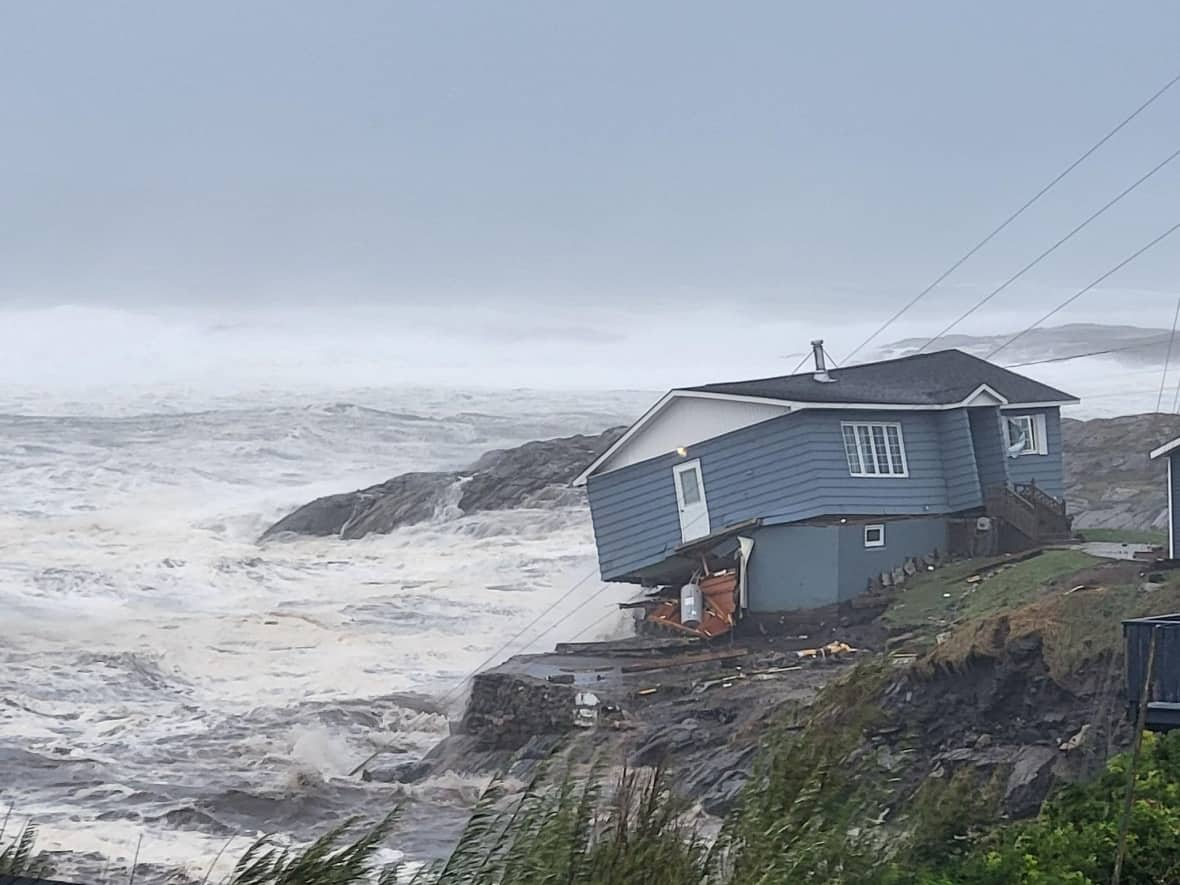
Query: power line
{"type": "Point", "coordinates": [1012, 279]}
{"type": "Point", "coordinates": [1007, 221]}
{"type": "Point", "coordinates": [523, 630]}
{"type": "Point", "coordinates": [1159, 400]}
{"type": "Point", "coordinates": [1072, 298]}
{"type": "Point", "coordinates": [592, 625]}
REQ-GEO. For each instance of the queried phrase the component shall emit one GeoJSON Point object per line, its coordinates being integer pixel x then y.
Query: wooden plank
{"type": "Point", "coordinates": [686, 660]}
{"type": "Point", "coordinates": [629, 646]}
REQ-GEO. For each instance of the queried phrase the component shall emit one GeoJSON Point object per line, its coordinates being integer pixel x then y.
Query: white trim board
{"type": "Point", "coordinates": [1171, 516]}
{"type": "Point", "coordinates": [1166, 449]}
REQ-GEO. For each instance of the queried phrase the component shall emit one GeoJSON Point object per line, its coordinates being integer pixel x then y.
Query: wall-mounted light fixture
{"type": "Point", "coordinates": [682, 452]}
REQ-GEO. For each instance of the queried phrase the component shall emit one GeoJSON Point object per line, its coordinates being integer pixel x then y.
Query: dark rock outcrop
{"type": "Point", "coordinates": [534, 474]}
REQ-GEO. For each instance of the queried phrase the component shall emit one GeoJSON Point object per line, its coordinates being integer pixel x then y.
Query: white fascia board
{"type": "Point", "coordinates": [1049, 404]}
{"type": "Point", "coordinates": [1166, 449]}
{"type": "Point", "coordinates": [1171, 515]}
{"type": "Point", "coordinates": [581, 478]}
{"type": "Point", "coordinates": [731, 397]}
{"type": "Point", "coordinates": [985, 395]}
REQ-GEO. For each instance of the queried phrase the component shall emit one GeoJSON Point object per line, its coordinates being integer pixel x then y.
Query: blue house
{"type": "Point", "coordinates": [1171, 451]}
{"type": "Point", "coordinates": [814, 484]}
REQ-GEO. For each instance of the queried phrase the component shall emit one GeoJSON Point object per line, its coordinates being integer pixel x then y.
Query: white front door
{"type": "Point", "coordinates": [690, 498]}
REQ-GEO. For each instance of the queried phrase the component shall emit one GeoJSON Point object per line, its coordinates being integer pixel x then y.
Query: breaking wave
{"type": "Point", "coordinates": [162, 674]}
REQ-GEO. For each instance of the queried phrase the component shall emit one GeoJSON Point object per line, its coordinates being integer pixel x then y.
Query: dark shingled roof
{"type": "Point", "coordinates": [925, 379]}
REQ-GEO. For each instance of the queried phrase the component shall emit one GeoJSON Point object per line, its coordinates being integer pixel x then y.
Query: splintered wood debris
{"type": "Point", "coordinates": [825, 651]}
{"type": "Point", "coordinates": [719, 594]}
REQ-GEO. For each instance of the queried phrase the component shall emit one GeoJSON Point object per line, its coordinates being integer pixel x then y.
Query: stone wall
{"type": "Point", "coordinates": [506, 709]}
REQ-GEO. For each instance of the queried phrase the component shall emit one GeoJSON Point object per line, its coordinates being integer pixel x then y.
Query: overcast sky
{"type": "Point", "coordinates": [793, 159]}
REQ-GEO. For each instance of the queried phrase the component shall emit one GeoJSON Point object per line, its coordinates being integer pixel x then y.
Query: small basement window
{"type": "Point", "coordinates": [874, 536]}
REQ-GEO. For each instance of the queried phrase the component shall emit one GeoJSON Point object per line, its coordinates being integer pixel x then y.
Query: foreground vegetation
{"type": "Point", "coordinates": [794, 827]}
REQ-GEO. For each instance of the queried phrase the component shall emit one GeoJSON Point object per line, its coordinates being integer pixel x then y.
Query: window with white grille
{"type": "Point", "coordinates": [874, 449]}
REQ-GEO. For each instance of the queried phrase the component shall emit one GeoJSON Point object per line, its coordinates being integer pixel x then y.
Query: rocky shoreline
{"type": "Point", "coordinates": [697, 710]}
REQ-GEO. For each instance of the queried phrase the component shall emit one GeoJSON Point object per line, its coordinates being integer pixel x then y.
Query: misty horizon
{"type": "Point", "coordinates": [779, 161]}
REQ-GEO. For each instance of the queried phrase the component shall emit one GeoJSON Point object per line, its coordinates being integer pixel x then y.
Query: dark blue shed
{"type": "Point", "coordinates": [1156, 674]}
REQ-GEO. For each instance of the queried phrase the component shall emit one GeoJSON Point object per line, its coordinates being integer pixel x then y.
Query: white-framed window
{"type": "Point", "coordinates": [874, 449]}
{"type": "Point", "coordinates": [874, 536]}
{"type": "Point", "coordinates": [1026, 435]}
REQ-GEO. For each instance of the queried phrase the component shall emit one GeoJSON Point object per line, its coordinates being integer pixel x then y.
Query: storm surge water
{"type": "Point", "coordinates": [163, 674]}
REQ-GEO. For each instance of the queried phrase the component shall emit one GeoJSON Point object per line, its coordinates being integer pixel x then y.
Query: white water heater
{"type": "Point", "coordinates": [692, 605]}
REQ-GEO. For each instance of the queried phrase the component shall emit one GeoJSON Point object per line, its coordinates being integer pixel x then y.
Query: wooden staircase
{"type": "Point", "coordinates": [1036, 515]}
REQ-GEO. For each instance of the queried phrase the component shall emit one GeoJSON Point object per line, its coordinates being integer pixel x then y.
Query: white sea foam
{"type": "Point", "coordinates": [163, 673]}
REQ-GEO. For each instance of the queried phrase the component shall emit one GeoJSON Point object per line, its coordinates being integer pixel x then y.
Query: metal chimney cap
{"type": "Point", "coordinates": [821, 369]}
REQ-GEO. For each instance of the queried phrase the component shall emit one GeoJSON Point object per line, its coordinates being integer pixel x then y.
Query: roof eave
{"type": "Point", "coordinates": [1166, 449]}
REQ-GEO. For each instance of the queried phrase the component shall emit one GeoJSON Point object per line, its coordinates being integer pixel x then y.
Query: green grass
{"type": "Point", "coordinates": [939, 598]}
{"type": "Point", "coordinates": [1125, 536]}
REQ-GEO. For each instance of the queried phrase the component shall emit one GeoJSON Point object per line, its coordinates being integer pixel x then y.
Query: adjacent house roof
{"type": "Point", "coordinates": [944, 379]}
{"type": "Point", "coordinates": [940, 378]}
{"type": "Point", "coordinates": [1166, 449]}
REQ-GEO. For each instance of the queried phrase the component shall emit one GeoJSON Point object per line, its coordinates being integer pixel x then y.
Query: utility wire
{"type": "Point", "coordinates": [1007, 221]}
{"type": "Point", "coordinates": [1159, 400]}
{"type": "Point", "coordinates": [1074, 297]}
{"type": "Point", "coordinates": [1069, 236]}
{"type": "Point", "coordinates": [795, 370]}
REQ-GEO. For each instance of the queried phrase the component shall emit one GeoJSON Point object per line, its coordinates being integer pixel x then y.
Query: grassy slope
{"type": "Point", "coordinates": [935, 600]}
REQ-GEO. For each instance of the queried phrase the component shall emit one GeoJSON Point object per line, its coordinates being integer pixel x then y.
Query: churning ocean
{"type": "Point", "coordinates": [163, 675]}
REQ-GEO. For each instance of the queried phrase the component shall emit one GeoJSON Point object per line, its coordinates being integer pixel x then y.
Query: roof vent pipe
{"type": "Point", "coordinates": [821, 368]}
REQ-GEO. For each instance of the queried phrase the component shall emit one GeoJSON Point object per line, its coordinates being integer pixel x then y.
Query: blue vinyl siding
{"type": "Point", "coordinates": [804, 566]}
{"type": "Point", "coordinates": [793, 567]}
{"type": "Point", "coordinates": [1046, 470]}
{"type": "Point", "coordinates": [904, 538]}
{"type": "Point", "coordinates": [991, 457]}
{"type": "Point", "coordinates": [958, 457]}
{"type": "Point", "coordinates": [785, 469]}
